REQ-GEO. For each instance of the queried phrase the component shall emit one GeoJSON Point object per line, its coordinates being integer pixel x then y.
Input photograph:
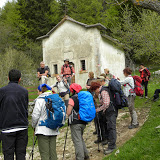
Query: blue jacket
{"type": "Point", "coordinates": [13, 106]}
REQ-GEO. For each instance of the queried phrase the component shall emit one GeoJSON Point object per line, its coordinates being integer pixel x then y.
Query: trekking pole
{"type": "Point", "coordinates": [65, 142]}
{"type": "Point", "coordinates": [149, 99]}
{"type": "Point", "coordinates": [32, 152]}
{"type": "Point", "coordinates": [99, 131]}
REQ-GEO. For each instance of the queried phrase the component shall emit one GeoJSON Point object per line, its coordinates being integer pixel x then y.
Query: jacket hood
{"type": "Point", "coordinates": [43, 95]}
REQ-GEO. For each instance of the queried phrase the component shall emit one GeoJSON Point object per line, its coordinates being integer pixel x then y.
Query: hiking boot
{"type": "Point", "coordinates": [86, 158]}
{"type": "Point", "coordinates": [108, 151]}
{"type": "Point", "coordinates": [133, 126]}
{"type": "Point", "coordinates": [105, 142]}
{"type": "Point", "coordinates": [95, 132]}
{"type": "Point", "coordinates": [97, 141]}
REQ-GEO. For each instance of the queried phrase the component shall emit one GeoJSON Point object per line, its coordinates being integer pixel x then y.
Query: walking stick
{"type": "Point", "coordinates": [34, 143]}
{"type": "Point", "coordinates": [149, 99]}
{"type": "Point", "coordinates": [65, 142]}
{"type": "Point", "coordinates": [99, 131]}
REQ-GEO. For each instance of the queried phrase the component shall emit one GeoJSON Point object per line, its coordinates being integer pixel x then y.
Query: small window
{"type": "Point", "coordinates": [83, 65]}
{"type": "Point", "coordinates": [55, 69]}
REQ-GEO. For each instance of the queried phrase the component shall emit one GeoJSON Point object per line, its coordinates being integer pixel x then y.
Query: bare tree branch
{"type": "Point", "coordinates": [153, 5]}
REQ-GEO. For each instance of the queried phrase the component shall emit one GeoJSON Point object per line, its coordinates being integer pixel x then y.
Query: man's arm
{"type": "Point", "coordinates": [38, 74]}
{"type": "Point", "coordinates": [126, 81]}
{"type": "Point", "coordinates": [70, 106]}
{"type": "Point", "coordinates": [36, 114]}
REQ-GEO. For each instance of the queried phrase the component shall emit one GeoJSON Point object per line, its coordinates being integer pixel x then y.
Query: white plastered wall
{"type": "Point", "coordinates": [112, 58]}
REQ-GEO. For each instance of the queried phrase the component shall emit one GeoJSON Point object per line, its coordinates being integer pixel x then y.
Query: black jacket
{"type": "Point", "coordinates": [13, 106]}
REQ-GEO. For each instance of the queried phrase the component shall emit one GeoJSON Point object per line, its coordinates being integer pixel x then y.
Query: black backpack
{"type": "Point", "coordinates": [47, 68]}
{"type": "Point", "coordinates": [119, 99]}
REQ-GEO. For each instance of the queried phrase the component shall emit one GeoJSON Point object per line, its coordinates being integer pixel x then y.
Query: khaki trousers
{"type": "Point", "coordinates": [47, 147]}
{"type": "Point", "coordinates": [132, 110]}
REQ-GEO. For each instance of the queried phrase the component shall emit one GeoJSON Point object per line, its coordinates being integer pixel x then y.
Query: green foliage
{"type": "Point", "coordinates": [92, 11]}
{"type": "Point", "coordinates": [22, 21]}
{"type": "Point", "coordinates": [39, 16]}
{"type": "Point", "coordinates": [141, 36]}
{"type": "Point", "coordinates": [17, 60]}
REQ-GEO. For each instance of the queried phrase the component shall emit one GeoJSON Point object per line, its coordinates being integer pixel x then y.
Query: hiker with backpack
{"type": "Point", "coordinates": [67, 71]}
{"type": "Point", "coordinates": [145, 75]}
{"type": "Point", "coordinates": [128, 89]}
{"type": "Point", "coordinates": [43, 73]}
{"type": "Point", "coordinates": [14, 117]}
{"type": "Point", "coordinates": [63, 88]}
{"type": "Point", "coordinates": [77, 125]}
{"type": "Point", "coordinates": [45, 135]}
{"type": "Point", "coordinates": [106, 114]}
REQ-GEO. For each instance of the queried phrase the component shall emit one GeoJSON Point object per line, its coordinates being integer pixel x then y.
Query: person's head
{"type": "Point", "coordinates": [91, 75]}
{"type": "Point", "coordinates": [66, 61]}
{"type": "Point", "coordinates": [58, 78]}
{"type": "Point", "coordinates": [43, 88]}
{"type": "Point", "coordinates": [14, 75]}
{"type": "Point", "coordinates": [75, 88]}
{"type": "Point", "coordinates": [141, 66]}
{"type": "Point", "coordinates": [106, 71]}
{"type": "Point", "coordinates": [95, 87]}
{"type": "Point", "coordinates": [127, 71]}
{"type": "Point", "coordinates": [42, 64]}
{"type": "Point", "coordinates": [102, 80]}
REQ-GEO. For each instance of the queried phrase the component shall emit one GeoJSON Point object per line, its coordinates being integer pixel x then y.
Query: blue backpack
{"type": "Point", "coordinates": [87, 109]}
{"type": "Point", "coordinates": [56, 112]}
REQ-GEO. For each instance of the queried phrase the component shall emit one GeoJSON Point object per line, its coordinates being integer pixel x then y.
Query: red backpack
{"type": "Point", "coordinates": [138, 88]}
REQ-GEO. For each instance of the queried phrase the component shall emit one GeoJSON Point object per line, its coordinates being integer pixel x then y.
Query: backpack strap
{"type": "Point", "coordinates": [69, 67]}
{"type": "Point", "coordinates": [65, 84]}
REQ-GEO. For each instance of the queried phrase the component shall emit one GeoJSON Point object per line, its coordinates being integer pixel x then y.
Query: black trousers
{"type": "Point", "coordinates": [111, 128]}
{"type": "Point", "coordinates": [156, 93]}
{"type": "Point", "coordinates": [145, 84]}
{"type": "Point", "coordinates": [101, 126]}
{"type": "Point", "coordinates": [15, 142]}
{"type": "Point", "coordinates": [0, 142]}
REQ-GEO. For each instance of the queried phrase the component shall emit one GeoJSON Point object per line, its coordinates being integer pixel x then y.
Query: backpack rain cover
{"type": "Point", "coordinates": [87, 109]}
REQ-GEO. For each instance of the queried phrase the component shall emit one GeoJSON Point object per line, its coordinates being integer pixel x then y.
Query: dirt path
{"type": "Point", "coordinates": [123, 135]}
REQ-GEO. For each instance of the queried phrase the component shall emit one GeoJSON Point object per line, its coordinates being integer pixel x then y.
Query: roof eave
{"type": "Point", "coordinates": [43, 37]}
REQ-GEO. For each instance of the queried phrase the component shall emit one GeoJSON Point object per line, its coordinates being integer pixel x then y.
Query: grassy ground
{"type": "Point", "coordinates": [145, 145]}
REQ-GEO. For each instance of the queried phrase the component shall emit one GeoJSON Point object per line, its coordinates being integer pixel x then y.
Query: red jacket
{"type": "Point", "coordinates": [144, 74]}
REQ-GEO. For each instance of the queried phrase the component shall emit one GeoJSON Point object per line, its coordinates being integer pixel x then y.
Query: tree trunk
{"type": "Point", "coordinates": [153, 5]}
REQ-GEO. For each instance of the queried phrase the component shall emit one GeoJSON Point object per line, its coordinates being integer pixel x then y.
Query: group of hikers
{"type": "Point", "coordinates": [106, 95]}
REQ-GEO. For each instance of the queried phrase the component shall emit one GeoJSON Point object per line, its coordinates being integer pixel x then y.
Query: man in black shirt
{"type": "Point", "coordinates": [14, 117]}
{"type": "Point", "coordinates": [43, 73]}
